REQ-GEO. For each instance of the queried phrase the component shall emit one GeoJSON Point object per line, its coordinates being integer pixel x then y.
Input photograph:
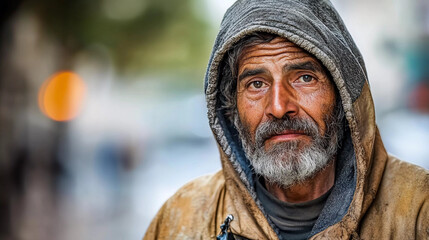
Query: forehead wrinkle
{"type": "Point", "coordinates": [279, 55]}
{"type": "Point", "coordinates": [278, 42]}
{"type": "Point", "coordinates": [268, 50]}
{"type": "Point", "coordinates": [272, 49]}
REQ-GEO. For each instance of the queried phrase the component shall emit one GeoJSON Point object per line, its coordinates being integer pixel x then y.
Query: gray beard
{"type": "Point", "coordinates": [286, 163]}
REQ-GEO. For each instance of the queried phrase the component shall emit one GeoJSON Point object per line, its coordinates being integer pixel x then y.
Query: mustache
{"type": "Point", "coordinates": [275, 127]}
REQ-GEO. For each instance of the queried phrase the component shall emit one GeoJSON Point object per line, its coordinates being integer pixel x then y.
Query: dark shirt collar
{"type": "Point", "coordinates": [293, 219]}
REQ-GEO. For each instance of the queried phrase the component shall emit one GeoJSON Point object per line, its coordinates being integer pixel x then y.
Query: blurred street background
{"type": "Point", "coordinates": [102, 112]}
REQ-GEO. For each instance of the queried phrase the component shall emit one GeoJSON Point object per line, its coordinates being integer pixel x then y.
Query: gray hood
{"type": "Point", "coordinates": [315, 26]}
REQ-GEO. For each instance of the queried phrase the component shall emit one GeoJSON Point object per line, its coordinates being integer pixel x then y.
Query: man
{"type": "Point", "coordinates": [290, 107]}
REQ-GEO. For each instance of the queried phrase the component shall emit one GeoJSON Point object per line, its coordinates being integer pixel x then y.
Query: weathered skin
{"type": "Point", "coordinates": [278, 79]}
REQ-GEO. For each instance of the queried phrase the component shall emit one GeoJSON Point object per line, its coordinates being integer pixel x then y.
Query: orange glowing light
{"type": "Point", "coordinates": [61, 96]}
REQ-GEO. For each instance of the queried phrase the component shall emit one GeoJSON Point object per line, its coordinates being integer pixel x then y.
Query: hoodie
{"type": "Point", "coordinates": [375, 195]}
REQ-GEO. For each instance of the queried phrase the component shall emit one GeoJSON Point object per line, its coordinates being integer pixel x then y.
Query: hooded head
{"type": "Point", "coordinates": [273, 91]}
{"type": "Point", "coordinates": [315, 27]}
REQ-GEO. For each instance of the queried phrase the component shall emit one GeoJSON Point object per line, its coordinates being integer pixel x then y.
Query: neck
{"type": "Point", "coordinates": [307, 190]}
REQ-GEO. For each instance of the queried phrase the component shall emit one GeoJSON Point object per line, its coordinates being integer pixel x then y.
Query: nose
{"type": "Point", "coordinates": [281, 101]}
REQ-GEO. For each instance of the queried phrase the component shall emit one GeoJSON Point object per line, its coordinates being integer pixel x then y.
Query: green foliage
{"type": "Point", "coordinates": [167, 34]}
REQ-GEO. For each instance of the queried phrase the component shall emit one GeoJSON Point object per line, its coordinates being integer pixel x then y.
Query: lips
{"type": "Point", "coordinates": [287, 135]}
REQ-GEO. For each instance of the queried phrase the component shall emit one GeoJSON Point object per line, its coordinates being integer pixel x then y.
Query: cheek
{"type": "Point", "coordinates": [250, 113]}
{"type": "Point", "coordinates": [318, 104]}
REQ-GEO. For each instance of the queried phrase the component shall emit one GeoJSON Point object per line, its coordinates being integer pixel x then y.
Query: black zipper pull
{"type": "Point", "coordinates": [224, 233]}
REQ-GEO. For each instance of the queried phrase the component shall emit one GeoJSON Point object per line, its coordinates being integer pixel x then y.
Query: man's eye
{"type": "Point", "coordinates": [306, 78]}
{"type": "Point", "coordinates": [256, 84]}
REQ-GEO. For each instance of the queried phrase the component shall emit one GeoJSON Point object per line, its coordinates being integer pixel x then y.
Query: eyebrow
{"type": "Point", "coordinates": [308, 65]}
{"type": "Point", "coordinates": [251, 72]}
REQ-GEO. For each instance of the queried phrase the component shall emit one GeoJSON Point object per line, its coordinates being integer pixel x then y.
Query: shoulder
{"type": "Point", "coordinates": [404, 185]}
{"type": "Point", "coordinates": [200, 187]}
{"type": "Point", "coordinates": [406, 176]}
{"type": "Point", "coordinates": [195, 197]}
{"type": "Point", "coordinates": [401, 206]}
{"type": "Point", "coordinates": [198, 193]}
{"type": "Point", "coordinates": [188, 214]}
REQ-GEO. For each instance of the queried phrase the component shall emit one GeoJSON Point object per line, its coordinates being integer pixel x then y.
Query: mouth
{"type": "Point", "coordinates": [288, 135]}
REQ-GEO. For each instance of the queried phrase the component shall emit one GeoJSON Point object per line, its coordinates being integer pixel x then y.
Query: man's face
{"type": "Point", "coordinates": [285, 104]}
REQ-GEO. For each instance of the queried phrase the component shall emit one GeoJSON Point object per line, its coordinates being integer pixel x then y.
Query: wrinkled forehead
{"type": "Point", "coordinates": [278, 47]}
{"type": "Point", "coordinates": [274, 44]}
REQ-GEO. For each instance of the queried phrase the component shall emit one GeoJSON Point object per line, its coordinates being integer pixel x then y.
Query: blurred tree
{"type": "Point", "coordinates": [145, 35]}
